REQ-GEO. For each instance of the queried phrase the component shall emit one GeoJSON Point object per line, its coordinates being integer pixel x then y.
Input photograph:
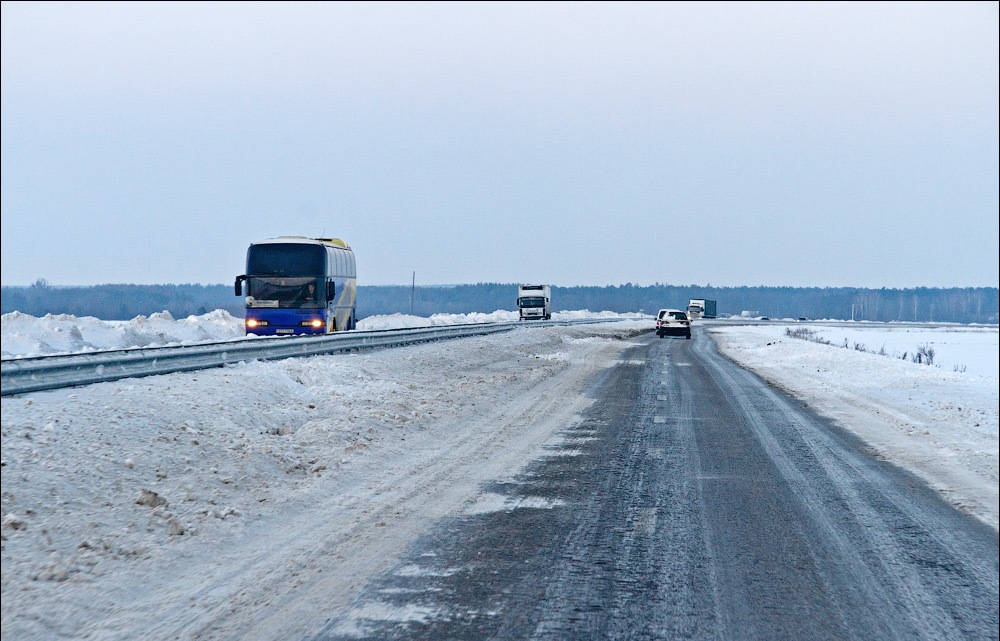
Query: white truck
{"type": "Point", "coordinates": [701, 308]}
{"type": "Point", "coordinates": [535, 302]}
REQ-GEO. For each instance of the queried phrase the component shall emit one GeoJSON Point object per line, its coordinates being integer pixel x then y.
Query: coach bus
{"type": "Point", "coordinates": [298, 285]}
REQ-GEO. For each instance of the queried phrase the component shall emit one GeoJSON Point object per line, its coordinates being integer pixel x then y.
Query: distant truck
{"type": "Point", "coordinates": [535, 302]}
{"type": "Point", "coordinates": [701, 308]}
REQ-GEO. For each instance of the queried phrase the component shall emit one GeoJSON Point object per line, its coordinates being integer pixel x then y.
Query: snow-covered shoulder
{"type": "Point", "coordinates": [940, 424]}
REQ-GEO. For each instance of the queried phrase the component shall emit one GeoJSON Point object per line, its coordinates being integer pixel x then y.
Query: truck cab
{"type": "Point", "coordinates": [534, 302]}
{"type": "Point", "coordinates": [701, 308]}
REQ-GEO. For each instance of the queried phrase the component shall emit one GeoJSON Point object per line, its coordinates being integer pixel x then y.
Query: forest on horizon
{"type": "Point", "coordinates": [965, 305]}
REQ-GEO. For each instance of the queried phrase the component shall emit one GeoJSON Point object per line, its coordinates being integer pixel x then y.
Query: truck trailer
{"type": "Point", "coordinates": [534, 302]}
{"type": "Point", "coordinates": [701, 308]}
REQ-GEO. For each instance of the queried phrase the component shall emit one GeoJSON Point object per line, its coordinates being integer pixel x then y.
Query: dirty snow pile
{"type": "Point", "coordinates": [25, 335]}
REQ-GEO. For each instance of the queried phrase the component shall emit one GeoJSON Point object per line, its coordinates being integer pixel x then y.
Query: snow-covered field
{"type": "Point", "coordinates": [204, 505]}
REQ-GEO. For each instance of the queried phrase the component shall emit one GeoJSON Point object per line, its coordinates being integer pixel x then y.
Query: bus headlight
{"type": "Point", "coordinates": [314, 322]}
{"type": "Point", "coordinates": [253, 322]}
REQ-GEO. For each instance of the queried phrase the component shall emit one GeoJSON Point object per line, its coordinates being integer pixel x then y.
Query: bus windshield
{"type": "Point", "coordinates": [284, 292]}
{"type": "Point", "coordinates": [286, 259]}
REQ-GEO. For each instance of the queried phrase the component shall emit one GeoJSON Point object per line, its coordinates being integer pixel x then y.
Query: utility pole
{"type": "Point", "coordinates": [413, 286]}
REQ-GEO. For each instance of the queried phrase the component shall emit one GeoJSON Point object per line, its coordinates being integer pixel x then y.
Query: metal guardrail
{"type": "Point", "coordinates": [34, 374]}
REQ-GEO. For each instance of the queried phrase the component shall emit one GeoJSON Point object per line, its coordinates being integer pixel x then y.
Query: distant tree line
{"type": "Point", "coordinates": [119, 302]}
{"type": "Point", "coordinates": [124, 302]}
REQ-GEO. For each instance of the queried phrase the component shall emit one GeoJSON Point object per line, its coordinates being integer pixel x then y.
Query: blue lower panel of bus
{"type": "Point", "coordinates": [279, 322]}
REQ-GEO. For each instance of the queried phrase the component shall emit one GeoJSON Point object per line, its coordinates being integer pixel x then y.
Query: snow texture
{"type": "Point", "coordinates": [212, 504]}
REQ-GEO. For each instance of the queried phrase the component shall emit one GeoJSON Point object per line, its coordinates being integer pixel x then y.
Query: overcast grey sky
{"type": "Point", "coordinates": [795, 144]}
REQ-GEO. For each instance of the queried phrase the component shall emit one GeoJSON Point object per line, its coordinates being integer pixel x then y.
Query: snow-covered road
{"type": "Point", "coordinates": [211, 504]}
{"type": "Point", "coordinates": [205, 505]}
